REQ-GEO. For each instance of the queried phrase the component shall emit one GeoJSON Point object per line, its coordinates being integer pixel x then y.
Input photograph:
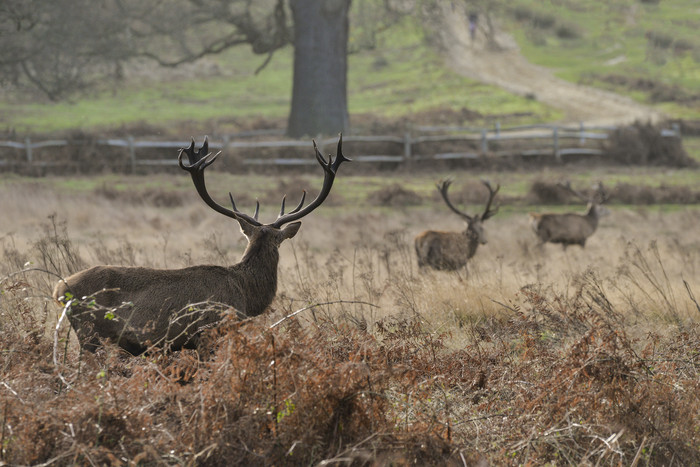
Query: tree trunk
{"type": "Point", "coordinates": [319, 93]}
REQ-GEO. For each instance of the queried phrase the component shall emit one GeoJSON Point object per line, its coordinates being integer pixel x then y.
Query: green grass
{"type": "Point", "coordinates": [357, 190]}
{"type": "Point", "coordinates": [404, 76]}
{"type": "Point", "coordinates": [613, 39]}
{"type": "Point", "coordinates": [241, 94]}
{"type": "Point", "coordinates": [692, 146]}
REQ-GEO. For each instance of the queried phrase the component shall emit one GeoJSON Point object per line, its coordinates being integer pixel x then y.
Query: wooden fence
{"type": "Point", "coordinates": [463, 143]}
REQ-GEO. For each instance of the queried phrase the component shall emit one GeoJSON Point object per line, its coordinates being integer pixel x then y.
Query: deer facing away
{"type": "Point", "coordinates": [571, 228]}
{"type": "Point", "coordinates": [451, 250]}
{"type": "Point", "coordinates": [137, 307]}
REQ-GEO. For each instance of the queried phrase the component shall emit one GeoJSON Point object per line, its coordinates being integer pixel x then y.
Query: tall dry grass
{"type": "Point", "coordinates": [532, 355]}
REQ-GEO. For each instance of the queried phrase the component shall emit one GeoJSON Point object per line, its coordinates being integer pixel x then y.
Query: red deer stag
{"type": "Point", "coordinates": [138, 307]}
{"type": "Point", "coordinates": [452, 250]}
{"type": "Point", "coordinates": [571, 228]}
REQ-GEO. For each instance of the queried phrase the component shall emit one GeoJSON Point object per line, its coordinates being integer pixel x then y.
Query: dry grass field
{"type": "Point", "coordinates": [533, 355]}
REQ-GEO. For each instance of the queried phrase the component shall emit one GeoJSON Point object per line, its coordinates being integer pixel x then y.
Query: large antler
{"type": "Point", "coordinates": [201, 159]}
{"type": "Point", "coordinates": [442, 188]}
{"type": "Point", "coordinates": [567, 186]}
{"type": "Point", "coordinates": [599, 196]}
{"type": "Point", "coordinates": [492, 194]}
{"type": "Point", "coordinates": [329, 168]}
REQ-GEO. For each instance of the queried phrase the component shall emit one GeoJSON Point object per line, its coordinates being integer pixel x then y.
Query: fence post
{"type": "Point", "coordinates": [582, 133]}
{"type": "Point", "coordinates": [407, 145]}
{"type": "Point", "coordinates": [28, 147]}
{"type": "Point", "coordinates": [484, 143]}
{"type": "Point", "coordinates": [555, 140]}
{"type": "Point", "coordinates": [132, 153]}
{"type": "Point", "coordinates": [498, 129]}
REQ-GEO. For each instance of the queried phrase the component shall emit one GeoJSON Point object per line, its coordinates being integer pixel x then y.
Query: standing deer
{"type": "Point", "coordinates": [452, 250]}
{"type": "Point", "coordinates": [571, 228]}
{"type": "Point", "coordinates": [137, 307]}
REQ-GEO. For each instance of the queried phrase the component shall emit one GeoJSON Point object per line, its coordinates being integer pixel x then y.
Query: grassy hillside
{"type": "Point", "coordinates": [645, 49]}
{"type": "Point", "coordinates": [638, 48]}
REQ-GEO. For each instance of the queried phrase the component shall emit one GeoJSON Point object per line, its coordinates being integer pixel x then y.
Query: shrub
{"type": "Point", "coordinates": [394, 196]}
{"type": "Point", "coordinates": [542, 192]}
{"type": "Point", "coordinates": [644, 144]}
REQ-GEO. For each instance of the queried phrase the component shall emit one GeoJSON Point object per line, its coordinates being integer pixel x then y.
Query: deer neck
{"type": "Point", "coordinates": [593, 214]}
{"type": "Point", "coordinates": [256, 274]}
{"type": "Point", "coordinates": [472, 241]}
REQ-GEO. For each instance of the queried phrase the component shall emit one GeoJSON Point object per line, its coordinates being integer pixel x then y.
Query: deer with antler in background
{"type": "Point", "coordinates": [451, 250]}
{"type": "Point", "coordinates": [571, 228]}
{"type": "Point", "coordinates": [139, 307]}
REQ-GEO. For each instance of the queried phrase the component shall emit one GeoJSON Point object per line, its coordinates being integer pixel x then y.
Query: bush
{"type": "Point", "coordinates": [394, 196]}
{"type": "Point", "coordinates": [644, 144]}
{"type": "Point", "coordinates": [542, 192]}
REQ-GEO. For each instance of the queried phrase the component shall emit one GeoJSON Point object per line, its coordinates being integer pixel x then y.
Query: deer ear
{"type": "Point", "coordinates": [246, 227]}
{"type": "Point", "coordinates": [290, 230]}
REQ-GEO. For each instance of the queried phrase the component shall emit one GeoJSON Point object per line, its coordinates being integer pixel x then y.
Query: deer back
{"type": "Point", "coordinates": [567, 229]}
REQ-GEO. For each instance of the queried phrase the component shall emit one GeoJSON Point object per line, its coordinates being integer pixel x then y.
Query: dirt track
{"type": "Point", "coordinates": [506, 68]}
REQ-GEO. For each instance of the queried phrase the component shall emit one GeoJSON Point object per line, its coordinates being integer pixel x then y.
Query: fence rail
{"type": "Point", "coordinates": [471, 143]}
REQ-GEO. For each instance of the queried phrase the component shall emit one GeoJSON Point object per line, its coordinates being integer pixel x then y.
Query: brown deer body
{"type": "Point", "coordinates": [139, 307]}
{"type": "Point", "coordinates": [570, 228]}
{"type": "Point", "coordinates": [452, 250]}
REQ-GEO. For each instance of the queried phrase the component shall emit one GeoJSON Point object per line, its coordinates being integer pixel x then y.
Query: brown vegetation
{"type": "Point", "coordinates": [578, 357]}
{"type": "Point", "coordinates": [643, 144]}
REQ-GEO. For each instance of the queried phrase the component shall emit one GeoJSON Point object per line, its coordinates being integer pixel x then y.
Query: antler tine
{"type": "Point", "coordinates": [492, 194]}
{"type": "Point", "coordinates": [301, 203]}
{"type": "Point", "coordinates": [329, 168]}
{"type": "Point", "coordinates": [254, 219]}
{"type": "Point", "coordinates": [444, 184]}
{"type": "Point", "coordinates": [200, 159]}
{"type": "Point", "coordinates": [339, 157]}
{"type": "Point", "coordinates": [442, 187]}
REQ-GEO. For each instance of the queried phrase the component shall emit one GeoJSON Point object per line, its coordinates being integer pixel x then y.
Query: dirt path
{"type": "Point", "coordinates": [508, 69]}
